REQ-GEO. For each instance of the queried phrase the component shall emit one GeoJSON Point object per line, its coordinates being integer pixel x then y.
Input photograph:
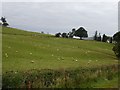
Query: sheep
{"type": "Point", "coordinates": [32, 61]}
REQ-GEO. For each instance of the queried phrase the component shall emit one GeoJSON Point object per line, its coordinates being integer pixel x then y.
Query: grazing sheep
{"type": "Point", "coordinates": [88, 51]}
{"type": "Point", "coordinates": [58, 58]}
{"type": "Point", "coordinates": [32, 61]}
{"type": "Point", "coordinates": [88, 62]}
{"type": "Point", "coordinates": [15, 72]}
{"type": "Point", "coordinates": [6, 54]}
{"type": "Point", "coordinates": [30, 53]}
{"type": "Point", "coordinates": [62, 58]}
{"type": "Point", "coordinates": [76, 60]}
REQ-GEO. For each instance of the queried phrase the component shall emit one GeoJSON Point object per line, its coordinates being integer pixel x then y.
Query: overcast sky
{"type": "Point", "coordinates": [53, 17]}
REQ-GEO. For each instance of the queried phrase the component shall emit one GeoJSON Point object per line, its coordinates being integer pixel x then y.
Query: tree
{"type": "Point", "coordinates": [99, 37]}
{"type": "Point", "coordinates": [64, 35]}
{"type": "Point", "coordinates": [73, 31]}
{"type": "Point", "coordinates": [4, 22]}
{"type": "Point", "coordinates": [110, 39]}
{"type": "Point", "coordinates": [104, 39]}
{"type": "Point", "coordinates": [57, 34]}
{"type": "Point", "coordinates": [95, 37]}
{"type": "Point", "coordinates": [3, 19]}
{"type": "Point", "coordinates": [42, 32]}
{"type": "Point", "coordinates": [116, 37]}
{"type": "Point", "coordinates": [81, 32]}
{"type": "Point", "coordinates": [116, 48]}
{"type": "Point", "coordinates": [71, 34]}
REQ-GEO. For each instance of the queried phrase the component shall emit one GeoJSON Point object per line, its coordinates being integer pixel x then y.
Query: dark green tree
{"type": "Point", "coordinates": [81, 32]}
{"type": "Point", "coordinates": [42, 32]}
{"type": "Point", "coordinates": [57, 34]}
{"type": "Point", "coordinates": [71, 34]}
{"type": "Point", "coordinates": [116, 48]}
{"type": "Point", "coordinates": [64, 35]}
{"type": "Point", "coordinates": [73, 31]}
{"type": "Point", "coordinates": [104, 39]}
{"type": "Point", "coordinates": [4, 21]}
{"type": "Point", "coordinates": [116, 37]}
{"type": "Point", "coordinates": [95, 36]}
{"type": "Point", "coordinates": [99, 37]}
{"type": "Point", "coordinates": [110, 39]}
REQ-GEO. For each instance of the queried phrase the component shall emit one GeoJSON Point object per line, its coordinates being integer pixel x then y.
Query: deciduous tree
{"type": "Point", "coordinates": [81, 32]}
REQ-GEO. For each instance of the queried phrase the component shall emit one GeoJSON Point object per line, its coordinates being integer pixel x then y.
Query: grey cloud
{"type": "Point", "coordinates": [62, 17]}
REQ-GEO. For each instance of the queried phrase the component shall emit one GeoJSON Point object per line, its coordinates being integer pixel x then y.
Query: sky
{"type": "Point", "coordinates": [119, 16]}
{"type": "Point", "coordinates": [53, 17]}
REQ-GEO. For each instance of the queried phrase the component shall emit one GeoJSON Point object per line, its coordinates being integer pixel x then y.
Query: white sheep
{"type": "Point", "coordinates": [30, 53]}
{"type": "Point", "coordinates": [32, 61]}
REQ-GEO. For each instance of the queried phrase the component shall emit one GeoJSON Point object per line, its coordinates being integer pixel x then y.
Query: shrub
{"type": "Point", "coordinates": [48, 78]}
{"type": "Point", "coordinates": [116, 48]}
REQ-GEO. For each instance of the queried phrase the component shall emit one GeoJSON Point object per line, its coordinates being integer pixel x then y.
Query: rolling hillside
{"type": "Point", "coordinates": [24, 50]}
{"type": "Point", "coordinates": [35, 60]}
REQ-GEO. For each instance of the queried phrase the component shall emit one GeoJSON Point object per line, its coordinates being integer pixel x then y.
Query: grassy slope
{"type": "Point", "coordinates": [22, 47]}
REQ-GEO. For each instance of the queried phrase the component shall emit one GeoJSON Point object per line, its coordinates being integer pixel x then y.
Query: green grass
{"type": "Point", "coordinates": [23, 51]}
{"type": "Point", "coordinates": [107, 83]}
{"type": "Point", "coordinates": [22, 47]}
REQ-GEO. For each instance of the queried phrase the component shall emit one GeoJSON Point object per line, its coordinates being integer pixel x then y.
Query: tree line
{"type": "Point", "coordinates": [103, 38]}
{"type": "Point", "coordinates": [80, 32]}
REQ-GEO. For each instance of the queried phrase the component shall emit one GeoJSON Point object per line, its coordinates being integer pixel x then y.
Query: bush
{"type": "Point", "coordinates": [48, 78]}
{"type": "Point", "coordinates": [64, 35]}
{"type": "Point", "coordinates": [57, 34]}
{"type": "Point", "coordinates": [12, 79]}
{"type": "Point", "coordinates": [116, 48]}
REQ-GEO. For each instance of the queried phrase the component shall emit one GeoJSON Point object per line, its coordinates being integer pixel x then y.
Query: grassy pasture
{"type": "Point", "coordinates": [23, 51]}
{"type": "Point", "coordinates": [20, 48]}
